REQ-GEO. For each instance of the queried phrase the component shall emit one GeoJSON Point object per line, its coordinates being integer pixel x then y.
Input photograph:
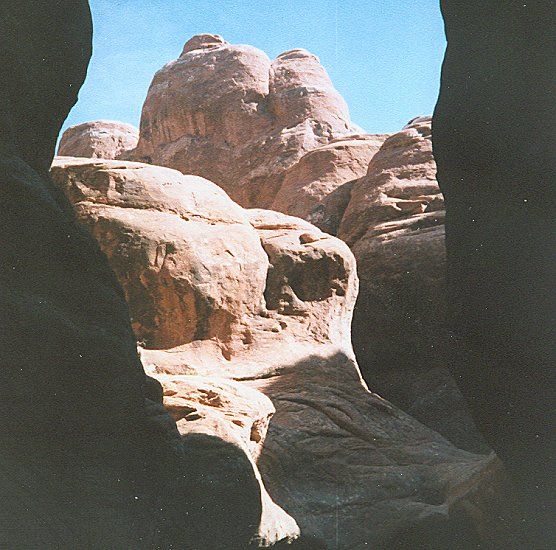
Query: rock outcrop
{"type": "Point", "coordinates": [323, 170]}
{"type": "Point", "coordinates": [494, 142]}
{"type": "Point", "coordinates": [105, 139]}
{"type": "Point", "coordinates": [348, 466]}
{"type": "Point", "coordinates": [277, 135]}
{"type": "Point", "coordinates": [228, 113]}
{"type": "Point", "coordinates": [89, 456]}
{"type": "Point", "coordinates": [394, 224]}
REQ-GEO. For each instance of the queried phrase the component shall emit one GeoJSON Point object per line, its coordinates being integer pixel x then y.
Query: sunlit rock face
{"type": "Point", "coordinates": [105, 139]}
{"type": "Point", "coordinates": [321, 172]}
{"type": "Point", "coordinates": [276, 134]}
{"type": "Point", "coordinates": [228, 113]}
{"type": "Point", "coordinates": [261, 358]}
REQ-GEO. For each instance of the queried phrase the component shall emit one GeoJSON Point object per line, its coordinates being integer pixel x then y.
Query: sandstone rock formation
{"type": "Point", "coordinates": [105, 139]}
{"type": "Point", "coordinates": [494, 142]}
{"type": "Point", "coordinates": [321, 171]}
{"type": "Point", "coordinates": [229, 114]}
{"type": "Point", "coordinates": [393, 219]}
{"type": "Point", "coordinates": [394, 224]}
{"type": "Point", "coordinates": [186, 257]}
{"type": "Point", "coordinates": [89, 457]}
{"type": "Point", "coordinates": [345, 464]}
{"type": "Point", "coordinates": [302, 157]}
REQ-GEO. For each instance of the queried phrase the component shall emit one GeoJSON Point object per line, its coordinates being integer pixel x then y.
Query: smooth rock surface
{"type": "Point", "coordinates": [494, 142]}
{"type": "Point", "coordinates": [321, 171]}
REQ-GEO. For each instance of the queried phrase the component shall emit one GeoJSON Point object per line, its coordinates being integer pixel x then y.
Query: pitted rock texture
{"type": "Point", "coordinates": [105, 139]}
{"type": "Point", "coordinates": [228, 113]}
{"type": "Point", "coordinates": [345, 464]}
{"type": "Point", "coordinates": [178, 291]}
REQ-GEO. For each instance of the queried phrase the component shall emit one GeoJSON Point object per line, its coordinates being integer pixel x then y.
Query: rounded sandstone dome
{"type": "Point", "coordinates": [106, 139]}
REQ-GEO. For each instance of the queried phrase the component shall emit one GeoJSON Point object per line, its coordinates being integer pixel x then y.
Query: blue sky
{"type": "Point", "coordinates": [383, 56]}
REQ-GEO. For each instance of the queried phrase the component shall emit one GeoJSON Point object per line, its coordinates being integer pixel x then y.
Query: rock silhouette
{"type": "Point", "coordinates": [88, 452]}
{"type": "Point", "coordinates": [500, 236]}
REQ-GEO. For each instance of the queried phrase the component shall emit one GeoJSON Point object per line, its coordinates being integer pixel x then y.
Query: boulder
{"type": "Point", "coordinates": [400, 181]}
{"type": "Point", "coordinates": [228, 113]}
{"type": "Point", "coordinates": [178, 290]}
{"type": "Point", "coordinates": [105, 139]}
{"type": "Point", "coordinates": [345, 464]}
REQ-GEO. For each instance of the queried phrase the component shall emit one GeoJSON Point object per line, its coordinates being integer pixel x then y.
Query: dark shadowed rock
{"type": "Point", "coordinates": [394, 224]}
{"type": "Point", "coordinates": [494, 143]}
{"type": "Point", "coordinates": [89, 456]}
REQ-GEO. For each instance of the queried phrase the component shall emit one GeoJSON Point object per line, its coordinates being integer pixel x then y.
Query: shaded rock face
{"type": "Point", "coordinates": [228, 113]}
{"type": "Point", "coordinates": [41, 78]}
{"type": "Point", "coordinates": [72, 402]}
{"type": "Point", "coordinates": [394, 224]}
{"type": "Point", "coordinates": [346, 465]}
{"type": "Point", "coordinates": [89, 456]}
{"type": "Point", "coordinates": [103, 139]}
{"type": "Point", "coordinates": [500, 234]}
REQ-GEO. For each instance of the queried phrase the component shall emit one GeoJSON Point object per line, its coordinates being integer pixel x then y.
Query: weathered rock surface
{"type": "Point", "coordinates": [394, 224]}
{"type": "Point", "coordinates": [277, 135]}
{"type": "Point", "coordinates": [88, 454]}
{"type": "Point", "coordinates": [105, 139]}
{"type": "Point", "coordinates": [348, 466]}
{"type": "Point", "coordinates": [228, 113]}
{"type": "Point", "coordinates": [178, 290]}
{"type": "Point", "coordinates": [321, 171]}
